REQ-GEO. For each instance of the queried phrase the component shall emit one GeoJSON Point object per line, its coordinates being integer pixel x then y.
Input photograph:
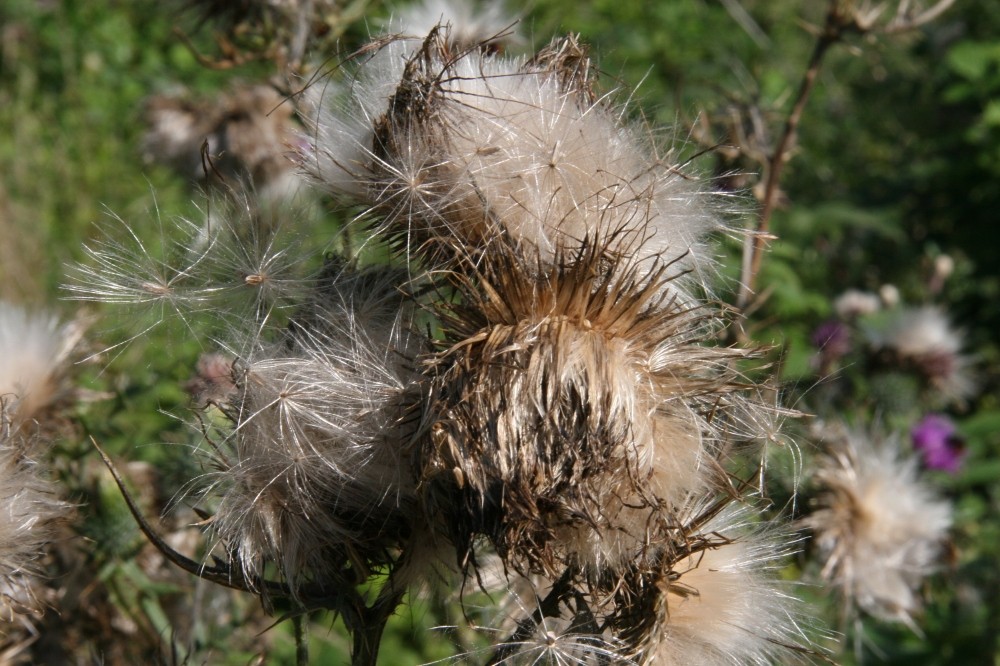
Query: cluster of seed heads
{"type": "Point", "coordinates": [529, 396]}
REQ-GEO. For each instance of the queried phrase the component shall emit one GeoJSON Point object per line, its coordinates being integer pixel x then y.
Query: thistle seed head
{"type": "Point", "coordinates": [878, 528]}
{"type": "Point", "coordinates": [572, 410]}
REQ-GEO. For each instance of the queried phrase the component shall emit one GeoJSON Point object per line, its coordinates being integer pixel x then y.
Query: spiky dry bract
{"type": "Point", "coordinates": [878, 529]}
{"type": "Point", "coordinates": [314, 474]}
{"type": "Point", "coordinates": [468, 145]}
{"type": "Point", "coordinates": [720, 600]}
{"type": "Point", "coordinates": [575, 408]}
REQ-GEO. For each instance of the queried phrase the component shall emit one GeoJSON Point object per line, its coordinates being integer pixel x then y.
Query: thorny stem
{"type": "Point", "coordinates": [366, 624]}
{"type": "Point", "coordinates": [367, 635]}
{"type": "Point", "coordinates": [841, 18]}
{"type": "Point", "coordinates": [832, 33]}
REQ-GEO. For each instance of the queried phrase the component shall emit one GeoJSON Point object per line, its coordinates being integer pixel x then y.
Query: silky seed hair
{"type": "Point", "coordinates": [572, 409]}
{"type": "Point", "coordinates": [469, 145]}
{"type": "Point", "coordinates": [31, 513]}
{"type": "Point", "coordinates": [720, 600]}
{"type": "Point", "coordinates": [313, 473]}
{"type": "Point", "coordinates": [37, 351]}
{"type": "Point", "coordinates": [878, 529]}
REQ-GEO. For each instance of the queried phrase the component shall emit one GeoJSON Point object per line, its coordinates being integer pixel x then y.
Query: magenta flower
{"type": "Point", "coordinates": [833, 340]}
{"type": "Point", "coordinates": [938, 442]}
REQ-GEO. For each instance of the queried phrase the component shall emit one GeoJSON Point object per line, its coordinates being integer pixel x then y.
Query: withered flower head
{"type": "Point", "coordinates": [573, 409]}
{"type": "Point", "coordinates": [313, 473]}
{"type": "Point", "coordinates": [878, 529]}
{"type": "Point", "coordinates": [452, 146]}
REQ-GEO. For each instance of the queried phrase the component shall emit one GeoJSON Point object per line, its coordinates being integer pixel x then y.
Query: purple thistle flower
{"type": "Point", "coordinates": [833, 340]}
{"type": "Point", "coordinates": [938, 442]}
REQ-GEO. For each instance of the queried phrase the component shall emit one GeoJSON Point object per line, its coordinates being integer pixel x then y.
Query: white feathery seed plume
{"type": "Point", "coordinates": [314, 472]}
{"type": "Point", "coordinates": [725, 604]}
{"type": "Point", "coordinates": [878, 529]}
{"type": "Point", "coordinates": [924, 339]}
{"type": "Point", "coordinates": [461, 146]}
{"type": "Point", "coordinates": [482, 24]}
{"type": "Point", "coordinates": [36, 350]}
{"type": "Point", "coordinates": [30, 509]}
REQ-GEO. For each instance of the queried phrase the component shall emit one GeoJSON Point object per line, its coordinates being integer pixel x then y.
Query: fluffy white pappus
{"type": "Point", "coordinates": [725, 604]}
{"type": "Point", "coordinates": [336, 148]}
{"type": "Point", "coordinates": [483, 24]}
{"type": "Point", "coordinates": [36, 349]}
{"type": "Point", "coordinates": [30, 511]}
{"type": "Point", "coordinates": [854, 303]}
{"type": "Point", "coordinates": [469, 144]}
{"type": "Point", "coordinates": [251, 264]}
{"type": "Point", "coordinates": [315, 471]}
{"type": "Point", "coordinates": [878, 529]}
{"type": "Point", "coordinates": [924, 339]}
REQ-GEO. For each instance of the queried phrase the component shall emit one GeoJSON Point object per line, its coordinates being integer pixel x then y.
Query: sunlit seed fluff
{"type": "Point", "coordinates": [473, 23]}
{"type": "Point", "coordinates": [29, 511]}
{"type": "Point", "coordinates": [878, 529]}
{"type": "Point", "coordinates": [725, 604]}
{"type": "Point", "coordinates": [925, 340]}
{"type": "Point", "coordinates": [574, 409]}
{"type": "Point", "coordinates": [314, 474]}
{"type": "Point", "coordinates": [250, 264]}
{"type": "Point", "coordinates": [468, 144]}
{"type": "Point", "coordinates": [854, 303]}
{"type": "Point", "coordinates": [35, 349]}
{"type": "Point", "coordinates": [158, 277]}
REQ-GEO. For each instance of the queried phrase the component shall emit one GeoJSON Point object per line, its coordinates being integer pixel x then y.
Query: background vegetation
{"type": "Point", "coordinates": [897, 164]}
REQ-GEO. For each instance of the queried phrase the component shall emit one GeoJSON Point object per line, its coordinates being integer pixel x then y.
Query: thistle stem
{"type": "Point", "coordinates": [833, 32]}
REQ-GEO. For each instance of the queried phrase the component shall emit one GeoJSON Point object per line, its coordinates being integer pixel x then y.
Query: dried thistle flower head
{"type": "Point", "coordinates": [572, 401]}
{"type": "Point", "coordinates": [36, 351]}
{"type": "Point", "coordinates": [924, 339]}
{"type": "Point", "coordinates": [244, 138]}
{"type": "Point", "coordinates": [314, 474]}
{"type": "Point", "coordinates": [460, 146]}
{"type": "Point", "coordinates": [711, 594]}
{"type": "Point", "coordinates": [572, 409]}
{"type": "Point", "coordinates": [878, 529]}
